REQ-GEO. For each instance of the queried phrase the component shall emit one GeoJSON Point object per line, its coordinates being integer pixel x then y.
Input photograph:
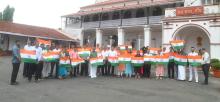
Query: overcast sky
{"type": "Point", "coordinates": [44, 13]}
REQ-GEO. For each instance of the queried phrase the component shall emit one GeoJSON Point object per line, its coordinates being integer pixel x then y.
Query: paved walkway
{"type": "Point", "coordinates": [104, 89]}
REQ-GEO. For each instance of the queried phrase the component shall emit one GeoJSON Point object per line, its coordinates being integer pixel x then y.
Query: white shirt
{"type": "Point", "coordinates": [28, 47]}
{"type": "Point", "coordinates": [205, 58]}
{"type": "Point", "coordinates": [193, 54]}
{"type": "Point", "coordinates": [105, 53]}
{"type": "Point", "coordinates": [147, 54]}
{"type": "Point", "coordinates": [112, 53]}
{"type": "Point", "coordinates": [39, 53]}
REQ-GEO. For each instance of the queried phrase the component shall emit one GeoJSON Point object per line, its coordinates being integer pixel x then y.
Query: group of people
{"type": "Point", "coordinates": [44, 70]}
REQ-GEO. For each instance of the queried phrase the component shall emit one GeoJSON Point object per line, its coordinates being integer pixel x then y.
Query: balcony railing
{"type": "Point", "coordinates": [111, 23]}
{"type": "Point", "coordinates": [155, 19]}
{"type": "Point", "coordinates": [88, 25]}
{"type": "Point", "coordinates": [74, 25]}
{"type": "Point", "coordinates": [135, 21]}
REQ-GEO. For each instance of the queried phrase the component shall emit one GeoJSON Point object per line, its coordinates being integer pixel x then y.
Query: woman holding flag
{"type": "Point", "coordinates": [128, 68]}
{"type": "Point", "coordinates": [159, 66]}
{"type": "Point", "coordinates": [64, 63]}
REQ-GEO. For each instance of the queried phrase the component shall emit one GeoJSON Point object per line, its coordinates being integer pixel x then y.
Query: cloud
{"type": "Point", "coordinates": [44, 13]}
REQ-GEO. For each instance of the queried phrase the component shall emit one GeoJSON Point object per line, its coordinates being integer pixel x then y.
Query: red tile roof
{"type": "Point", "coordinates": [134, 6]}
{"type": "Point", "coordinates": [106, 3]}
{"type": "Point", "coordinates": [31, 31]}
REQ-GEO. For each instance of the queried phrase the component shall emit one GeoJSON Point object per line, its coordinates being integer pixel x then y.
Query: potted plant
{"type": "Point", "coordinates": [215, 64]}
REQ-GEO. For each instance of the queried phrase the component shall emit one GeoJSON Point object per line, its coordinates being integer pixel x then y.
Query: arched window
{"type": "Point", "coordinates": [86, 18]}
{"type": "Point", "coordinates": [116, 15]}
{"type": "Point", "coordinates": [140, 13]}
{"type": "Point", "coordinates": [95, 17]}
{"type": "Point", "coordinates": [105, 16]}
{"type": "Point", "coordinates": [157, 11]}
{"type": "Point", "coordinates": [127, 14]}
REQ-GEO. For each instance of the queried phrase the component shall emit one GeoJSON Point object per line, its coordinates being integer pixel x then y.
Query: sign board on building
{"type": "Point", "coordinates": [189, 11]}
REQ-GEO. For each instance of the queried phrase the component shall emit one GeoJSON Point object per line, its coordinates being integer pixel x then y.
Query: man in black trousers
{"type": "Point", "coordinates": [171, 65]}
{"type": "Point", "coordinates": [16, 60]}
{"type": "Point", "coordinates": [205, 65]}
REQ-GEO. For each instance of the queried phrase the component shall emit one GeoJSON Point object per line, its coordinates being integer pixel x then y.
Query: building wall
{"type": "Point", "coordinates": [210, 28]}
{"type": "Point", "coordinates": [12, 39]}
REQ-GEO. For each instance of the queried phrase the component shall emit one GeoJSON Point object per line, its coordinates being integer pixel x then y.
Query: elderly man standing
{"type": "Point", "coordinates": [16, 60]}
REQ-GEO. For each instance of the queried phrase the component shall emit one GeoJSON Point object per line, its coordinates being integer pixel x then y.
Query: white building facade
{"type": "Point", "coordinates": [148, 23]}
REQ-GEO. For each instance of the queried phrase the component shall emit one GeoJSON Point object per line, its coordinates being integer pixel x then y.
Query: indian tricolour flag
{"type": "Point", "coordinates": [122, 47]}
{"type": "Point", "coordinates": [163, 59]}
{"type": "Point", "coordinates": [194, 60]}
{"type": "Point", "coordinates": [137, 61]}
{"type": "Point", "coordinates": [84, 52]}
{"type": "Point", "coordinates": [113, 61]}
{"type": "Point", "coordinates": [96, 61]}
{"type": "Point", "coordinates": [129, 47]}
{"type": "Point", "coordinates": [154, 51]}
{"type": "Point", "coordinates": [51, 56]}
{"type": "Point", "coordinates": [65, 62]}
{"type": "Point", "coordinates": [75, 62]}
{"type": "Point", "coordinates": [177, 44]}
{"type": "Point", "coordinates": [45, 42]}
{"type": "Point", "coordinates": [150, 59]}
{"type": "Point", "coordinates": [180, 59]}
{"type": "Point", "coordinates": [124, 59]}
{"type": "Point", "coordinates": [28, 56]}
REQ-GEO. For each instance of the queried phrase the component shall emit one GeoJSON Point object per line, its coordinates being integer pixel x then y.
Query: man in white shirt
{"type": "Point", "coordinates": [205, 64]}
{"type": "Point", "coordinates": [112, 53]}
{"type": "Point", "coordinates": [193, 68]}
{"type": "Point", "coordinates": [39, 54]}
{"type": "Point", "coordinates": [26, 65]}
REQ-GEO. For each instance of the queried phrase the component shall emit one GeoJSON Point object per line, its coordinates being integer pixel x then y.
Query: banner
{"type": "Point", "coordinates": [28, 56]}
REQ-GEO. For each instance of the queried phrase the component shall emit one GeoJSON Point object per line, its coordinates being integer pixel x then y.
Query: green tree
{"type": "Point", "coordinates": [8, 14]}
{"type": "Point", "coordinates": [0, 16]}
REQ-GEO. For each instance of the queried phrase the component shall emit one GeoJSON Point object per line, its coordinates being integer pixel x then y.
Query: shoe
{"type": "Point", "coordinates": [14, 83]}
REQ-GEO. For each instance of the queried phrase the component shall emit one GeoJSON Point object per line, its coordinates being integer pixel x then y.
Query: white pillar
{"type": "Point", "coordinates": [139, 42]}
{"type": "Point", "coordinates": [121, 36]}
{"type": "Point", "coordinates": [99, 37]}
{"type": "Point", "coordinates": [81, 36]}
{"type": "Point", "coordinates": [147, 36]}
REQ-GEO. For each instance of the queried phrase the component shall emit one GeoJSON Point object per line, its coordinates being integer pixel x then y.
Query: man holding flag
{"type": "Point", "coordinates": [193, 68]}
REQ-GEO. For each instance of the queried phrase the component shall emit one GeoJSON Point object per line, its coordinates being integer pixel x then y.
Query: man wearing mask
{"type": "Point", "coordinates": [16, 60]}
{"type": "Point", "coordinates": [193, 68]}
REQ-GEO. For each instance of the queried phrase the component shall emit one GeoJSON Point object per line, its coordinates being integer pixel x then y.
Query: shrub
{"type": "Point", "coordinates": [216, 65]}
{"type": "Point", "coordinates": [214, 61]}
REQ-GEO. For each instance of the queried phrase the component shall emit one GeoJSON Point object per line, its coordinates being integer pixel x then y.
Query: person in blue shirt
{"type": "Point", "coordinates": [16, 60]}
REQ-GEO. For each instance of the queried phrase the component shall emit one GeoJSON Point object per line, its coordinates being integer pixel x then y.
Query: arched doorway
{"type": "Point", "coordinates": [194, 36]}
